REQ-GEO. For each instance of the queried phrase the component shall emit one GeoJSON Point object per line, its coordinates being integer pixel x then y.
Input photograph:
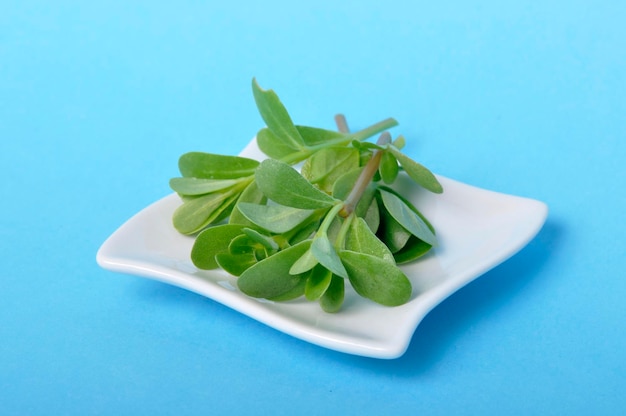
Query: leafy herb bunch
{"type": "Point", "coordinates": [286, 233]}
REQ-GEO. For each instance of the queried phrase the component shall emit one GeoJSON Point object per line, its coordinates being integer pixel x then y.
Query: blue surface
{"type": "Point", "coordinates": [98, 100]}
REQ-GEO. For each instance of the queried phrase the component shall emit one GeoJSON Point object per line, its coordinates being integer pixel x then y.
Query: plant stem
{"type": "Point", "coordinates": [361, 135]}
{"type": "Point", "coordinates": [364, 178]}
{"type": "Point", "coordinates": [342, 124]}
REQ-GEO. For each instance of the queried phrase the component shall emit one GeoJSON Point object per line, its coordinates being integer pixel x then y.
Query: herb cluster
{"type": "Point", "coordinates": [288, 234]}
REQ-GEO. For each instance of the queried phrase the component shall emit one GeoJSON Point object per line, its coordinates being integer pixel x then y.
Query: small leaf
{"type": "Point", "coordinates": [412, 250]}
{"type": "Point", "coordinates": [274, 218]}
{"type": "Point", "coordinates": [293, 293]}
{"type": "Point", "coordinates": [270, 278]}
{"type": "Point", "coordinates": [272, 145]}
{"type": "Point", "coordinates": [421, 175]}
{"type": "Point", "coordinates": [391, 232]}
{"type": "Point", "coordinates": [212, 166]}
{"type": "Point", "coordinates": [304, 232]}
{"type": "Point", "coordinates": [305, 263]}
{"type": "Point", "coordinates": [235, 264]}
{"type": "Point", "coordinates": [314, 136]}
{"type": "Point", "coordinates": [276, 116]}
{"type": "Point", "coordinates": [325, 166]}
{"type": "Point", "coordinates": [211, 242]}
{"type": "Point", "coordinates": [407, 217]}
{"type": "Point", "coordinates": [284, 185]}
{"type": "Point", "coordinates": [361, 239]}
{"type": "Point", "coordinates": [325, 253]}
{"type": "Point", "coordinates": [199, 186]}
{"type": "Point", "coordinates": [332, 299]}
{"type": "Point", "coordinates": [251, 194]}
{"type": "Point", "coordinates": [388, 168]}
{"type": "Point", "coordinates": [197, 213]}
{"type": "Point", "coordinates": [376, 279]}
{"type": "Point", "coordinates": [317, 283]}
{"type": "Point", "coordinates": [264, 240]}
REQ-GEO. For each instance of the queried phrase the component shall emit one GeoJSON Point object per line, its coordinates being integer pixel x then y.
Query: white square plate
{"type": "Point", "coordinates": [477, 230]}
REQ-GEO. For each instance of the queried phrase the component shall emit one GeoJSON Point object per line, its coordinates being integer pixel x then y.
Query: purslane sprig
{"type": "Point", "coordinates": [305, 233]}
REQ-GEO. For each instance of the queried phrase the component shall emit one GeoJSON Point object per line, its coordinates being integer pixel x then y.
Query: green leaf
{"type": "Point", "coordinates": [332, 299]}
{"type": "Point", "coordinates": [211, 242]}
{"type": "Point", "coordinates": [361, 239]}
{"type": "Point", "coordinates": [293, 293]}
{"type": "Point", "coordinates": [274, 218]}
{"type": "Point", "coordinates": [212, 166]}
{"type": "Point", "coordinates": [270, 278]}
{"type": "Point", "coordinates": [317, 283]}
{"type": "Point", "coordinates": [371, 215]}
{"type": "Point", "coordinates": [272, 145]}
{"type": "Point", "coordinates": [413, 249]}
{"type": "Point", "coordinates": [407, 217]}
{"type": "Point", "coordinates": [251, 194]}
{"type": "Point", "coordinates": [235, 264]}
{"type": "Point", "coordinates": [276, 116]}
{"type": "Point", "coordinates": [325, 253]}
{"type": "Point", "coordinates": [199, 212]}
{"type": "Point", "coordinates": [284, 185]}
{"type": "Point", "coordinates": [314, 136]}
{"type": "Point", "coordinates": [325, 166]}
{"type": "Point", "coordinates": [388, 168]}
{"type": "Point", "coordinates": [376, 279]}
{"type": "Point", "coordinates": [305, 232]}
{"type": "Point", "coordinates": [199, 186]}
{"type": "Point", "coordinates": [305, 263]}
{"type": "Point", "coordinates": [421, 175]}
{"type": "Point", "coordinates": [264, 240]}
{"type": "Point", "coordinates": [391, 232]}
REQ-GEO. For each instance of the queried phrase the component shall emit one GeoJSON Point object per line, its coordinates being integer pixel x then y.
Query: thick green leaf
{"type": "Point", "coordinates": [272, 145]}
{"type": "Point", "coordinates": [317, 283]}
{"type": "Point", "coordinates": [376, 279]}
{"type": "Point", "coordinates": [371, 216]}
{"type": "Point", "coordinates": [314, 136]}
{"type": "Point", "coordinates": [293, 293]}
{"type": "Point", "coordinates": [274, 218]}
{"type": "Point", "coordinates": [361, 239]}
{"type": "Point", "coordinates": [197, 213]}
{"type": "Point", "coordinates": [407, 217]}
{"type": "Point", "coordinates": [276, 116]}
{"type": "Point", "coordinates": [199, 186]}
{"type": "Point", "coordinates": [284, 185]}
{"type": "Point", "coordinates": [420, 174]}
{"type": "Point", "coordinates": [264, 240]}
{"type": "Point", "coordinates": [212, 166]}
{"type": "Point", "coordinates": [325, 166]}
{"type": "Point", "coordinates": [235, 264]}
{"type": "Point", "coordinates": [391, 232]}
{"type": "Point", "coordinates": [270, 278]}
{"type": "Point", "coordinates": [410, 205]}
{"type": "Point", "coordinates": [211, 242]}
{"type": "Point", "coordinates": [388, 168]}
{"type": "Point", "coordinates": [412, 250]}
{"type": "Point", "coordinates": [304, 232]}
{"type": "Point", "coordinates": [344, 184]}
{"type": "Point", "coordinates": [325, 254]}
{"type": "Point", "coordinates": [305, 263]}
{"type": "Point", "coordinates": [251, 194]}
{"type": "Point", "coordinates": [332, 299]}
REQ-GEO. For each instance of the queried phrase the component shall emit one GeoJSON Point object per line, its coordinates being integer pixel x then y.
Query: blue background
{"type": "Point", "coordinates": [98, 100]}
